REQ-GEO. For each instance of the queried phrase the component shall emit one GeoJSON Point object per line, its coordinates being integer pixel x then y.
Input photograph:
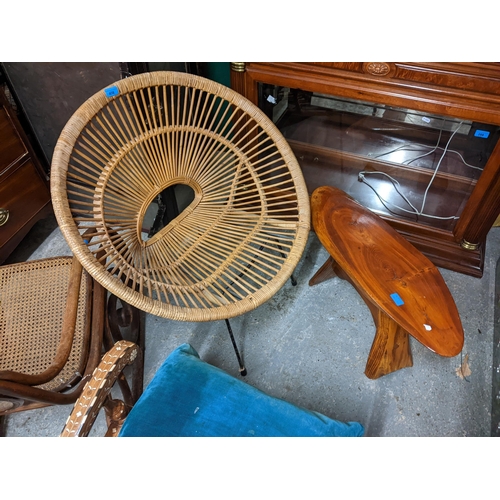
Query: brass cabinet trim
{"type": "Point", "coordinates": [469, 246]}
{"type": "Point", "coordinates": [239, 67]}
{"type": "Point", "coordinates": [4, 216]}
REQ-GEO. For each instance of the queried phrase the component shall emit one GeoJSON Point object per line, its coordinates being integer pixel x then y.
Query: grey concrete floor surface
{"type": "Point", "coordinates": [309, 345]}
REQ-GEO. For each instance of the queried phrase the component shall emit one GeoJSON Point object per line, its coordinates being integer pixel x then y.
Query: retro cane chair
{"type": "Point", "coordinates": [53, 334]}
{"type": "Point", "coordinates": [140, 140]}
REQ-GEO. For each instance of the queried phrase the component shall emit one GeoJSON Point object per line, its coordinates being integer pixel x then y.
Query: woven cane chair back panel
{"type": "Point", "coordinates": [241, 236]}
{"type": "Point", "coordinates": [32, 304]}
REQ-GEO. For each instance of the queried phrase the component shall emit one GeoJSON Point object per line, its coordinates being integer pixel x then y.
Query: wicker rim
{"type": "Point", "coordinates": [71, 229]}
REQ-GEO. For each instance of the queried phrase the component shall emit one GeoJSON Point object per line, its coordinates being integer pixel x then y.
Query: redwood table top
{"type": "Point", "coordinates": [394, 275]}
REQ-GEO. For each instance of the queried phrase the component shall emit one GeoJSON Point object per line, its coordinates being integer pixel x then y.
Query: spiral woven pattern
{"type": "Point", "coordinates": [241, 236]}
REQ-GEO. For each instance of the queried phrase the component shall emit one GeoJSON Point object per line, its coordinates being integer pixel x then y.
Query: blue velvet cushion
{"type": "Point", "coordinates": [188, 397]}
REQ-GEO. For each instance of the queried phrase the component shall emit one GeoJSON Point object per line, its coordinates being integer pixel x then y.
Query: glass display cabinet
{"type": "Point", "coordinates": [416, 143]}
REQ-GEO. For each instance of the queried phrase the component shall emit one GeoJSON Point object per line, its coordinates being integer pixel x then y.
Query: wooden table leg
{"type": "Point", "coordinates": [325, 272]}
{"type": "Point", "coordinates": [391, 349]}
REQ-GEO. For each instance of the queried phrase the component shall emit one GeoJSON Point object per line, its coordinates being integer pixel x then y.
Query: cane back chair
{"type": "Point", "coordinates": [47, 338]}
{"type": "Point", "coordinates": [53, 333]}
{"type": "Point", "coordinates": [242, 234]}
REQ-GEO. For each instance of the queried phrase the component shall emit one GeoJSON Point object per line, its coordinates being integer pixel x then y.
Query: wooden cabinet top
{"type": "Point", "coordinates": [464, 90]}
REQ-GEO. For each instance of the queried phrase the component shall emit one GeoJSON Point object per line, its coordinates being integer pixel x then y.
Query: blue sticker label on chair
{"type": "Point", "coordinates": [397, 299]}
{"type": "Point", "coordinates": [111, 91]}
{"type": "Point", "coordinates": [484, 134]}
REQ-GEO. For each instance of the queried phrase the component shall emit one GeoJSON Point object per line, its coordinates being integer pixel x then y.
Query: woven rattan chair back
{"type": "Point", "coordinates": [52, 334]}
{"type": "Point", "coordinates": [47, 341]}
{"type": "Point", "coordinates": [242, 234]}
{"type": "Point", "coordinates": [34, 293]}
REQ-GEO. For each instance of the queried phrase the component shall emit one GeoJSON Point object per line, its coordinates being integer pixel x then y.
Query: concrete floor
{"type": "Point", "coordinates": [309, 345]}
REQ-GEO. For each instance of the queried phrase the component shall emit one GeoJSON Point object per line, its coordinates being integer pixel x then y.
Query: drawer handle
{"type": "Point", "coordinates": [4, 216]}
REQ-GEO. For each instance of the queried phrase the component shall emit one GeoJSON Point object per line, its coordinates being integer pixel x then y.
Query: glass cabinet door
{"type": "Point", "coordinates": [401, 163]}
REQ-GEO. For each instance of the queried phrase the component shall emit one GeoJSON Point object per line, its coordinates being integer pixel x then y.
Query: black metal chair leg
{"type": "Point", "coordinates": [3, 426]}
{"type": "Point", "coordinates": [243, 370]}
{"type": "Point", "coordinates": [292, 277]}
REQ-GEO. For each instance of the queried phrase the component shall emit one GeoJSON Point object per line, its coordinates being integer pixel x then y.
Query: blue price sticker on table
{"type": "Point", "coordinates": [397, 299]}
{"type": "Point", "coordinates": [111, 91]}
{"type": "Point", "coordinates": [483, 134]}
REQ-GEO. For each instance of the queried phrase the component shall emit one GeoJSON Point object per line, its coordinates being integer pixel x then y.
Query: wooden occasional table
{"type": "Point", "coordinates": [404, 291]}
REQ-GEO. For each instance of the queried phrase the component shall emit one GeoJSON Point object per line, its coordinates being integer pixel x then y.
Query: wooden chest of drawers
{"type": "Point", "coordinates": [24, 190]}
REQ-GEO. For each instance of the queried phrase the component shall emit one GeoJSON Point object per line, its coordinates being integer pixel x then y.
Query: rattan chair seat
{"type": "Point", "coordinates": [32, 304]}
{"type": "Point", "coordinates": [240, 238]}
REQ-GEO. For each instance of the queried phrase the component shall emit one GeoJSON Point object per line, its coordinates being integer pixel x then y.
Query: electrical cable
{"type": "Point", "coordinates": [437, 167]}
{"type": "Point", "coordinates": [421, 156]}
{"type": "Point", "coordinates": [417, 147]}
{"type": "Point", "coordinates": [361, 178]}
{"type": "Point", "coordinates": [437, 143]}
{"type": "Point", "coordinates": [362, 174]}
{"type": "Point", "coordinates": [407, 162]}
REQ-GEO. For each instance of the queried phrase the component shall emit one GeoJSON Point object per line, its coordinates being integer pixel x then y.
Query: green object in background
{"type": "Point", "coordinates": [219, 72]}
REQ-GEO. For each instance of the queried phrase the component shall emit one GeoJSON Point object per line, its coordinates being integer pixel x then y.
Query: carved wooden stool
{"type": "Point", "coordinates": [404, 291]}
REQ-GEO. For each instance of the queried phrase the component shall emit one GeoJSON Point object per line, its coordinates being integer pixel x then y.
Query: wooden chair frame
{"type": "Point", "coordinates": [23, 390]}
{"type": "Point", "coordinates": [96, 394]}
{"type": "Point", "coordinates": [105, 321]}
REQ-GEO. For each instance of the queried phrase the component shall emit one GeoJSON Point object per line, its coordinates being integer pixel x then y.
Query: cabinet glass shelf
{"type": "Point", "coordinates": [400, 163]}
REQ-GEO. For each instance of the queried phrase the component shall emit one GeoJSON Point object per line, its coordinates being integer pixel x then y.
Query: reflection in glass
{"type": "Point", "coordinates": [399, 162]}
